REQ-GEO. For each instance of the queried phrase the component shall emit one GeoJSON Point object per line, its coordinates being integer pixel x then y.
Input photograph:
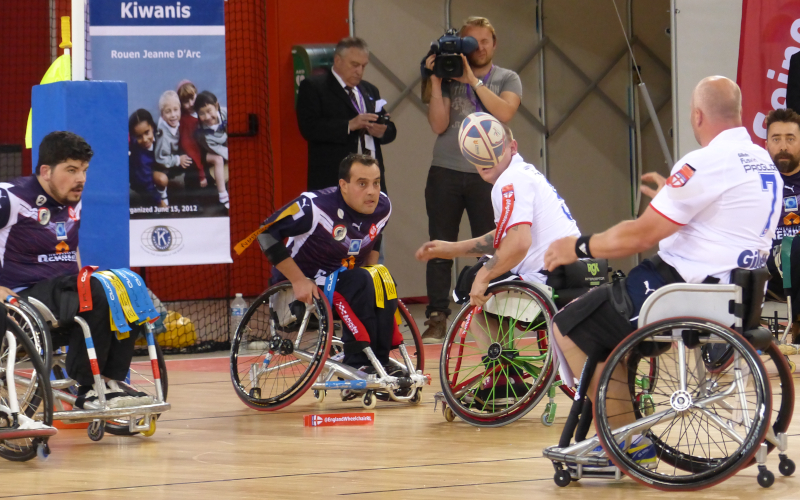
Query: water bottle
{"type": "Point", "coordinates": [238, 307]}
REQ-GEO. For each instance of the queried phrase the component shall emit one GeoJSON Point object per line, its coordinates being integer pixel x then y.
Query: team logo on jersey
{"type": "Point", "coordinates": [355, 247]}
{"type": "Point", "coordinates": [340, 213]}
{"type": "Point", "coordinates": [682, 176]}
{"type": "Point", "coordinates": [791, 219]}
{"type": "Point", "coordinates": [790, 204]}
{"type": "Point", "coordinates": [593, 267]}
{"type": "Point", "coordinates": [44, 216]}
{"type": "Point", "coordinates": [62, 247]}
{"type": "Point", "coordinates": [339, 232]}
{"type": "Point", "coordinates": [507, 194]}
{"type": "Point", "coordinates": [40, 200]}
{"type": "Point", "coordinates": [73, 214]}
{"type": "Point", "coordinates": [61, 230]}
{"type": "Point", "coordinates": [349, 262]}
{"type": "Point", "coordinates": [373, 231]}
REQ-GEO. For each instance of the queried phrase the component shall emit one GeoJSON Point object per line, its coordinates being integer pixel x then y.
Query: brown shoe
{"type": "Point", "coordinates": [437, 328]}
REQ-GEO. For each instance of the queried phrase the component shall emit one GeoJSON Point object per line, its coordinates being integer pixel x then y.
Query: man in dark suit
{"type": "Point", "coordinates": [793, 85]}
{"type": "Point", "coordinates": [337, 116]}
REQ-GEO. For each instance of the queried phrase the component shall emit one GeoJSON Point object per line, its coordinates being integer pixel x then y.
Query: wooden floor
{"type": "Point", "coordinates": [211, 446]}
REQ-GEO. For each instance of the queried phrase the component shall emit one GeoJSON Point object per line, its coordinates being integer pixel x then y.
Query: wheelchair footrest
{"type": "Point", "coordinates": [109, 413]}
{"type": "Point", "coordinates": [555, 454]}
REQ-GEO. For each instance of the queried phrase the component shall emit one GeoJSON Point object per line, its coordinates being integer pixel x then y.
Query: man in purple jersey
{"type": "Point", "coordinates": [335, 227]}
{"type": "Point", "coordinates": [40, 216]}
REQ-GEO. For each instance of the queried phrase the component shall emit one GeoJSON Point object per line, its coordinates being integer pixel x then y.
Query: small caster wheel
{"type": "Point", "coordinates": [255, 393]}
{"type": "Point", "coordinates": [562, 478]}
{"type": "Point", "coordinates": [786, 467]}
{"type": "Point", "coordinates": [546, 419]}
{"type": "Point", "coordinates": [96, 430]}
{"type": "Point", "coordinates": [765, 478]}
{"type": "Point", "coordinates": [43, 451]}
{"type": "Point", "coordinates": [368, 400]}
{"type": "Point", "coordinates": [152, 430]}
{"type": "Point", "coordinates": [416, 398]}
{"type": "Point", "coordinates": [448, 414]}
{"type": "Point", "coordinates": [320, 395]}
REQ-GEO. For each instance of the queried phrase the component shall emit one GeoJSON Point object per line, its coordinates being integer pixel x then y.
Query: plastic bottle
{"type": "Point", "coordinates": [238, 307]}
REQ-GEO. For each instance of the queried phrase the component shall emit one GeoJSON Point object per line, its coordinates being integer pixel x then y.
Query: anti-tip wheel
{"type": "Point", "coordinates": [416, 398]}
{"type": "Point", "coordinates": [320, 395]}
{"type": "Point", "coordinates": [765, 478]}
{"type": "Point", "coordinates": [152, 430]}
{"type": "Point", "coordinates": [96, 430]}
{"type": "Point", "coordinates": [448, 414]}
{"type": "Point", "coordinates": [546, 419]}
{"type": "Point", "coordinates": [562, 478]}
{"type": "Point", "coordinates": [786, 467]}
{"type": "Point", "coordinates": [368, 400]}
{"type": "Point", "coordinates": [43, 451]}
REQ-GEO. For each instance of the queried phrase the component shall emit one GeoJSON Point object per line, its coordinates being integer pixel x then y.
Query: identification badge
{"type": "Point", "coordinates": [790, 204]}
{"type": "Point", "coordinates": [355, 247]}
{"type": "Point", "coordinates": [61, 230]}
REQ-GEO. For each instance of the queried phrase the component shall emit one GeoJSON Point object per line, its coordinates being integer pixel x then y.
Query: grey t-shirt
{"type": "Point", "coordinates": [446, 152]}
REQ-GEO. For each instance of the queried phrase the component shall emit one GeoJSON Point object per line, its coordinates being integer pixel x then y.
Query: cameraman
{"type": "Point", "coordinates": [453, 184]}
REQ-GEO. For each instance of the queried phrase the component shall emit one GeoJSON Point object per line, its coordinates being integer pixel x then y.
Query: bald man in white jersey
{"type": "Point", "coordinates": [717, 212]}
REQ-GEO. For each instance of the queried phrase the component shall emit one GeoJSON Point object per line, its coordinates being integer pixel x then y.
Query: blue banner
{"type": "Point", "coordinates": [172, 56]}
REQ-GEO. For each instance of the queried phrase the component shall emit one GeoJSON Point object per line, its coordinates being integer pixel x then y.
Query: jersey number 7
{"type": "Point", "coordinates": [767, 183]}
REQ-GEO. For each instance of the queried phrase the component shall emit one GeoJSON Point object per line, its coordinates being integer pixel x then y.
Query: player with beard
{"type": "Point", "coordinates": [783, 145]}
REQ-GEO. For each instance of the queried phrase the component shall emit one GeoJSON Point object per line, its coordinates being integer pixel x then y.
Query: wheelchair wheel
{"type": "Point", "coordinates": [32, 323]}
{"type": "Point", "coordinates": [495, 365]}
{"type": "Point", "coordinates": [705, 425]}
{"type": "Point", "coordinates": [140, 379]}
{"type": "Point", "coordinates": [279, 348]}
{"type": "Point", "coordinates": [34, 396]}
{"type": "Point", "coordinates": [413, 340]}
{"type": "Point", "coordinates": [782, 384]}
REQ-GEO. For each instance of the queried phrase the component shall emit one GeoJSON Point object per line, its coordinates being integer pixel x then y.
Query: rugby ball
{"type": "Point", "coordinates": [481, 140]}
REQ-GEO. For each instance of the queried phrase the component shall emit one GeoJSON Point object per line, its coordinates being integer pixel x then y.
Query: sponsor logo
{"type": "Point", "coordinates": [132, 10]}
{"type": "Point", "coordinates": [791, 219]}
{"type": "Point", "coordinates": [790, 203]}
{"type": "Point", "coordinates": [593, 267]}
{"type": "Point", "coordinates": [373, 231]}
{"type": "Point", "coordinates": [61, 230]}
{"type": "Point", "coordinates": [347, 319]}
{"type": "Point", "coordinates": [355, 247]}
{"type": "Point", "coordinates": [752, 259]}
{"type": "Point", "coordinates": [161, 240]}
{"type": "Point", "coordinates": [507, 193]}
{"type": "Point", "coordinates": [357, 226]}
{"type": "Point", "coordinates": [349, 262]}
{"type": "Point", "coordinates": [62, 254]}
{"type": "Point", "coordinates": [62, 247]}
{"type": "Point", "coordinates": [647, 289]}
{"type": "Point", "coordinates": [332, 419]}
{"type": "Point", "coordinates": [681, 177]}
{"type": "Point", "coordinates": [40, 200]}
{"type": "Point", "coordinates": [43, 216]}
{"type": "Point", "coordinates": [339, 232]}
{"type": "Point", "coordinates": [73, 214]}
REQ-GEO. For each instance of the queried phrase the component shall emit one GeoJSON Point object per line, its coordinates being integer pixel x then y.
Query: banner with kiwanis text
{"type": "Point", "coordinates": [770, 37]}
{"type": "Point", "coordinates": [172, 55]}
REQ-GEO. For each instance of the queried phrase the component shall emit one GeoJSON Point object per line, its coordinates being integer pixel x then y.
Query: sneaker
{"type": "Point", "coordinates": [437, 328]}
{"type": "Point", "coordinates": [642, 451]}
{"type": "Point", "coordinates": [126, 398]}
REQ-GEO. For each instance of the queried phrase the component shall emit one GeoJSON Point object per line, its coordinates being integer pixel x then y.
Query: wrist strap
{"type": "Point", "coordinates": [582, 247]}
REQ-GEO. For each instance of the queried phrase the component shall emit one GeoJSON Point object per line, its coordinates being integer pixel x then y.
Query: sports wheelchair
{"type": "Point", "coordinates": [284, 347]}
{"type": "Point", "coordinates": [777, 311]}
{"type": "Point", "coordinates": [26, 400]}
{"type": "Point", "coordinates": [492, 379]}
{"type": "Point", "coordinates": [148, 377]}
{"type": "Point", "coordinates": [698, 390]}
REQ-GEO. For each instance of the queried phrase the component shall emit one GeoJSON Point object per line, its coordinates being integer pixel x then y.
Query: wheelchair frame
{"type": "Point", "coordinates": [725, 303]}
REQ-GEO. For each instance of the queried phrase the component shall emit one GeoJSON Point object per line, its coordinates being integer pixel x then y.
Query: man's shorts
{"type": "Point", "coordinates": [600, 319]}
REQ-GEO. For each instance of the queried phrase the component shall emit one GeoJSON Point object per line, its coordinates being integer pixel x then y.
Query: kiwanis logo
{"type": "Point", "coordinates": [593, 267]}
{"type": "Point", "coordinates": [161, 240]}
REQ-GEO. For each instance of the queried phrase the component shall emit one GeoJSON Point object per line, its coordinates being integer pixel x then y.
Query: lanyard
{"type": "Point", "coordinates": [474, 100]}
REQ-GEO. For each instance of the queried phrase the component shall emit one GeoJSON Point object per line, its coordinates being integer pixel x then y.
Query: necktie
{"type": "Point", "coordinates": [362, 132]}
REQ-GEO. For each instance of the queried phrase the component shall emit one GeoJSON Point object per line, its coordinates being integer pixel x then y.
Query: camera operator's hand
{"type": "Point", "coordinates": [376, 129]}
{"type": "Point", "coordinates": [363, 121]}
{"type": "Point", "coordinates": [429, 64]}
{"type": "Point", "coordinates": [468, 77]}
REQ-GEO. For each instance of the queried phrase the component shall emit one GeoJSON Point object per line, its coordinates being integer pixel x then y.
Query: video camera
{"type": "Point", "coordinates": [448, 49]}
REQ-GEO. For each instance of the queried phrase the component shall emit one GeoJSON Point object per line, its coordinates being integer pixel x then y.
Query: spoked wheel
{"type": "Point", "coordinates": [412, 339]}
{"type": "Point", "coordinates": [32, 323]}
{"type": "Point", "coordinates": [494, 366]}
{"type": "Point", "coordinates": [705, 425]}
{"type": "Point", "coordinates": [279, 348]}
{"type": "Point", "coordinates": [34, 395]}
{"type": "Point", "coordinates": [141, 379]}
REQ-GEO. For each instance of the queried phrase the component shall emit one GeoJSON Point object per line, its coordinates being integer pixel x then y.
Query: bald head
{"type": "Point", "coordinates": [716, 106]}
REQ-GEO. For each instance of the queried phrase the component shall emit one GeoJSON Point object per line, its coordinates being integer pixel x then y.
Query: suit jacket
{"type": "Point", "coordinates": [793, 85]}
{"type": "Point", "coordinates": [323, 110]}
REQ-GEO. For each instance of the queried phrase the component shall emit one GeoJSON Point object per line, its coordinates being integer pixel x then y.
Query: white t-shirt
{"type": "Point", "coordinates": [727, 196]}
{"type": "Point", "coordinates": [522, 195]}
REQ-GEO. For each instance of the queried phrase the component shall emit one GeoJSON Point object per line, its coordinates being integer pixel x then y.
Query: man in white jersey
{"type": "Point", "coordinates": [717, 212]}
{"type": "Point", "coordinates": [529, 215]}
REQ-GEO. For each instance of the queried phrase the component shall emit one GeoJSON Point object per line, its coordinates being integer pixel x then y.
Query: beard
{"type": "Point", "coordinates": [785, 162]}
